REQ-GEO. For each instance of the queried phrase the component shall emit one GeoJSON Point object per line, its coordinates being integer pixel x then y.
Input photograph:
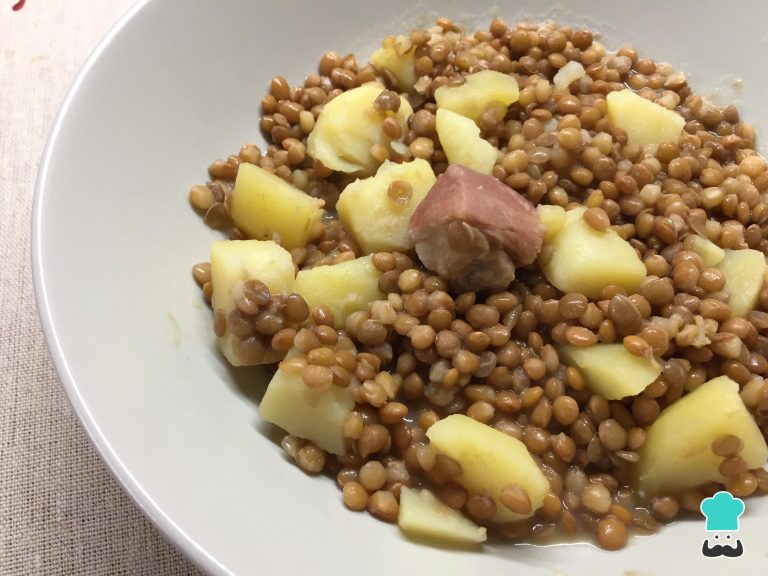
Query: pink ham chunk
{"type": "Point", "coordinates": [474, 231]}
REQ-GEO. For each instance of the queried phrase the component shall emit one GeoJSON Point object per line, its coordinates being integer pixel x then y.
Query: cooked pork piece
{"type": "Point", "coordinates": [474, 231]}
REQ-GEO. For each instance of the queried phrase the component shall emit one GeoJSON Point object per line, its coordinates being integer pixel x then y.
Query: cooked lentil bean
{"type": "Point", "coordinates": [733, 465]}
{"type": "Point", "coordinates": [480, 507]}
{"type": "Point", "coordinates": [355, 496]}
{"type": "Point", "coordinates": [637, 346]}
{"type": "Point", "coordinates": [597, 218]}
{"type": "Point", "coordinates": [323, 316]}
{"type": "Point", "coordinates": [563, 446]}
{"type": "Point", "coordinates": [311, 459]}
{"type": "Point", "coordinates": [481, 411]}
{"type": "Point", "coordinates": [580, 336]}
{"type": "Point", "coordinates": [727, 445]}
{"type": "Point", "coordinates": [453, 495]}
{"type": "Point", "coordinates": [565, 410]}
{"type": "Point", "coordinates": [611, 533]}
{"type": "Point", "coordinates": [250, 350]}
{"type": "Point", "coordinates": [742, 485]}
{"type": "Point", "coordinates": [317, 377]}
{"type": "Point", "coordinates": [665, 508]}
{"type": "Point", "coordinates": [383, 504]}
{"type": "Point", "coordinates": [400, 191]}
{"type": "Point", "coordinates": [612, 434]}
{"type": "Point", "coordinates": [516, 499]}
{"type": "Point", "coordinates": [573, 305]}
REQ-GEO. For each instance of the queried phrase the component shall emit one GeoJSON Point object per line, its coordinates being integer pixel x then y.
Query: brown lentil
{"type": "Point", "coordinates": [383, 504]}
{"type": "Point", "coordinates": [727, 445]}
{"type": "Point", "coordinates": [317, 377]}
{"type": "Point", "coordinates": [565, 410]}
{"type": "Point", "coordinates": [311, 459]}
{"type": "Point", "coordinates": [563, 446]}
{"type": "Point", "coordinates": [323, 316]}
{"type": "Point", "coordinates": [611, 533]}
{"type": "Point", "coordinates": [453, 495]}
{"type": "Point", "coordinates": [480, 507]}
{"type": "Point", "coordinates": [355, 496]}
{"type": "Point", "coordinates": [516, 499]}
{"type": "Point", "coordinates": [400, 192]}
{"type": "Point", "coordinates": [732, 466]}
{"type": "Point", "coordinates": [665, 508]}
{"type": "Point", "coordinates": [612, 434]}
{"type": "Point", "coordinates": [742, 485]}
{"type": "Point", "coordinates": [580, 336]}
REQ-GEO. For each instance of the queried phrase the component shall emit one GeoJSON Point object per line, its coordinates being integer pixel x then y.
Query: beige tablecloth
{"type": "Point", "coordinates": [61, 513]}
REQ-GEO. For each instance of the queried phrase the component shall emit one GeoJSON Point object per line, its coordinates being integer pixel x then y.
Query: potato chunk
{"type": "Point", "coordinates": [710, 252]}
{"type": "Point", "coordinates": [319, 417]}
{"type": "Point", "coordinates": [586, 260]}
{"type": "Point", "coordinates": [376, 221]}
{"type": "Point", "coordinates": [235, 261]}
{"type": "Point", "coordinates": [744, 278]}
{"type": "Point", "coordinates": [552, 219]}
{"type": "Point", "coordinates": [610, 370]}
{"type": "Point", "coordinates": [485, 90]}
{"type": "Point", "coordinates": [349, 125]}
{"type": "Point", "coordinates": [424, 516]}
{"type": "Point", "coordinates": [398, 61]}
{"type": "Point", "coordinates": [677, 453]}
{"type": "Point", "coordinates": [344, 288]}
{"type": "Point", "coordinates": [462, 144]}
{"type": "Point", "coordinates": [264, 204]}
{"type": "Point", "coordinates": [490, 460]}
{"type": "Point", "coordinates": [644, 121]}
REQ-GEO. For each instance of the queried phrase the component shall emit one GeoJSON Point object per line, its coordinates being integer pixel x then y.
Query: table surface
{"type": "Point", "coordinates": [61, 513]}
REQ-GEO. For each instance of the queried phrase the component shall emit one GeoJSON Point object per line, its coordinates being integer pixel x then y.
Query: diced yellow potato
{"type": "Point", "coordinates": [586, 260]}
{"type": "Point", "coordinates": [344, 288]}
{"type": "Point", "coordinates": [375, 221]}
{"type": "Point", "coordinates": [644, 121]}
{"type": "Point", "coordinates": [264, 204]}
{"type": "Point", "coordinates": [610, 370]}
{"type": "Point", "coordinates": [744, 277]}
{"type": "Point", "coordinates": [462, 144]}
{"type": "Point", "coordinates": [319, 417]}
{"type": "Point", "coordinates": [482, 91]}
{"type": "Point", "coordinates": [552, 218]}
{"type": "Point", "coordinates": [710, 252]}
{"type": "Point", "coordinates": [398, 61]}
{"type": "Point", "coordinates": [490, 460]}
{"type": "Point", "coordinates": [677, 453]}
{"type": "Point", "coordinates": [349, 125]}
{"type": "Point", "coordinates": [235, 261]}
{"type": "Point", "coordinates": [424, 516]}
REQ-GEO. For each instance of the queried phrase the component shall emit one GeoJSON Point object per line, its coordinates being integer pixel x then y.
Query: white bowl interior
{"type": "Point", "coordinates": [178, 85]}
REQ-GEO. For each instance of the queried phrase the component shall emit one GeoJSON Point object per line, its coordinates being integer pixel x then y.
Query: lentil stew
{"type": "Point", "coordinates": [408, 349]}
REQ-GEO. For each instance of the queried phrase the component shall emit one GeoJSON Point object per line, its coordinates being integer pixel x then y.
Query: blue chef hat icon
{"type": "Point", "coordinates": [722, 512]}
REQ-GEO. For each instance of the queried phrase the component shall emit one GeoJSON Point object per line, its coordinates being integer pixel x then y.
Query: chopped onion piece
{"type": "Point", "coordinates": [569, 73]}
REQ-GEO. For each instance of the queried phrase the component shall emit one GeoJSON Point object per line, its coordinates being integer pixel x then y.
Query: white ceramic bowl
{"type": "Point", "coordinates": [178, 83]}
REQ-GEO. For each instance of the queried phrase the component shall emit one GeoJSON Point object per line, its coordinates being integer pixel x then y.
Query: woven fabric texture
{"type": "Point", "coordinates": [61, 513]}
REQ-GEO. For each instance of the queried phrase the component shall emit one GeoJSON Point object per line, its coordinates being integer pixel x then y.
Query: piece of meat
{"type": "Point", "coordinates": [474, 231]}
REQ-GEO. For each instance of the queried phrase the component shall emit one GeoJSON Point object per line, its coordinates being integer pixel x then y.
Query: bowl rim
{"type": "Point", "coordinates": [180, 539]}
